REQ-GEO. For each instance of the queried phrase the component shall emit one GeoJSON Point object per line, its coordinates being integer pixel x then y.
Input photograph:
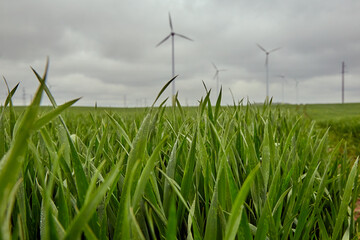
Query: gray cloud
{"type": "Point", "coordinates": [106, 50]}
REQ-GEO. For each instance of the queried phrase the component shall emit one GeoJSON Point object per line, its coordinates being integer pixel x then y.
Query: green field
{"type": "Point", "coordinates": [343, 121]}
{"type": "Point", "coordinates": [209, 172]}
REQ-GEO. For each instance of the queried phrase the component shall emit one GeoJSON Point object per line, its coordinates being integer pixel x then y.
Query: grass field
{"type": "Point", "coordinates": [210, 172]}
{"type": "Point", "coordinates": [343, 121]}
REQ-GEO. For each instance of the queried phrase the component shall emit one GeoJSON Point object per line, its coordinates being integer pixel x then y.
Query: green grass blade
{"type": "Point", "coordinates": [244, 232]}
{"type": "Point", "coordinates": [162, 90]}
{"type": "Point", "coordinates": [144, 177]}
{"type": "Point", "coordinates": [322, 229]}
{"type": "Point", "coordinates": [218, 105]}
{"type": "Point", "coordinates": [170, 171]}
{"type": "Point", "coordinates": [136, 233]}
{"type": "Point", "coordinates": [11, 162]}
{"type": "Point", "coordinates": [345, 200]}
{"type": "Point", "coordinates": [211, 220]}
{"type": "Point", "coordinates": [6, 225]}
{"type": "Point", "coordinates": [176, 188]}
{"type": "Point", "coordinates": [2, 136]}
{"type": "Point", "coordinates": [235, 215]}
{"type": "Point", "coordinates": [266, 156]}
{"type": "Point", "coordinates": [171, 226]}
{"type": "Point", "coordinates": [121, 130]}
{"type": "Point", "coordinates": [136, 154]}
{"type": "Point", "coordinates": [186, 183]}
{"type": "Point", "coordinates": [100, 149]}
{"type": "Point", "coordinates": [89, 207]}
{"type": "Point", "coordinates": [8, 100]}
{"type": "Point", "coordinates": [52, 114]}
{"type": "Point", "coordinates": [80, 177]}
{"type": "Point", "coordinates": [10, 93]}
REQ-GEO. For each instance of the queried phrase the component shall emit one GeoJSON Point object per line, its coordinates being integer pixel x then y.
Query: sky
{"type": "Point", "coordinates": [105, 51]}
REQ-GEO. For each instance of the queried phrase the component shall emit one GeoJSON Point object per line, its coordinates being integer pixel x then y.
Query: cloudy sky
{"type": "Point", "coordinates": [104, 51]}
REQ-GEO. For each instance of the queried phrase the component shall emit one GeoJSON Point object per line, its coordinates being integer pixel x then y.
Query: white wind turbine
{"type": "Point", "coordinates": [267, 66]}
{"type": "Point", "coordinates": [172, 34]}
{"type": "Point", "coordinates": [216, 76]}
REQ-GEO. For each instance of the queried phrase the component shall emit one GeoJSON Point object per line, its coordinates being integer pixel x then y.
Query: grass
{"type": "Point", "coordinates": [343, 120]}
{"type": "Point", "coordinates": [236, 172]}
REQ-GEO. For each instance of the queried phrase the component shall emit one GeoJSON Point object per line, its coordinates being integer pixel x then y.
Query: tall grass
{"type": "Point", "coordinates": [236, 172]}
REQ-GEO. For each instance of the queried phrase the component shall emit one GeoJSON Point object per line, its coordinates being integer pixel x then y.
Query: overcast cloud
{"type": "Point", "coordinates": [104, 51]}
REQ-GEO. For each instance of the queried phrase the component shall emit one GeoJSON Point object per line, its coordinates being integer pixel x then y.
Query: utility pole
{"type": "Point", "coordinates": [343, 80]}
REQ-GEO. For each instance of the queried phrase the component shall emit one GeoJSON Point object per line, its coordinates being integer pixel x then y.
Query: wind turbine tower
{"type": "Point", "coordinates": [267, 66]}
{"type": "Point", "coordinates": [216, 77]}
{"type": "Point", "coordinates": [172, 34]}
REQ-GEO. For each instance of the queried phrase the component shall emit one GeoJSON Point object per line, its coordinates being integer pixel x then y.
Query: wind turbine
{"type": "Point", "coordinates": [172, 34]}
{"type": "Point", "coordinates": [216, 76]}
{"type": "Point", "coordinates": [267, 66]}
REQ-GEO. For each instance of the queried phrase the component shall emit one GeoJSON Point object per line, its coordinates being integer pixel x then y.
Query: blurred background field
{"type": "Point", "coordinates": [343, 120]}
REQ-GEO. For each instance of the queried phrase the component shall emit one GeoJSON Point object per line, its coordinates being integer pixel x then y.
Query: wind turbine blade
{"type": "Point", "coordinates": [170, 22]}
{"type": "Point", "coordinates": [163, 40]}
{"type": "Point", "coordinates": [261, 47]}
{"type": "Point", "coordinates": [275, 49]}
{"type": "Point", "coordinates": [180, 35]}
{"type": "Point", "coordinates": [222, 70]}
{"type": "Point", "coordinates": [214, 66]}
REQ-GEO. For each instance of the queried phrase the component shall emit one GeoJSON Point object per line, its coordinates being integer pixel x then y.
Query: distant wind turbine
{"type": "Point", "coordinates": [267, 66]}
{"type": "Point", "coordinates": [172, 34]}
{"type": "Point", "coordinates": [216, 76]}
